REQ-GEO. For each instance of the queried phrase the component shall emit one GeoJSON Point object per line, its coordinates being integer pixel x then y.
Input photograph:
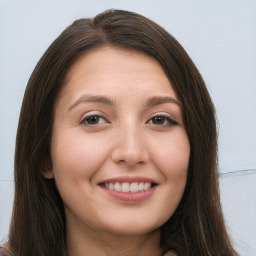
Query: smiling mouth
{"type": "Point", "coordinates": [128, 187]}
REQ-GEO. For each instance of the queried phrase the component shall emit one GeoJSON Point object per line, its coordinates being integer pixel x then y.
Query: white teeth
{"type": "Point", "coordinates": [141, 186]}
{"type": "Point", "coordinates": [117, 186]}
{"type": "Point", "coordinates": [128, 187]}
{"type": "Point", "coordinates": [134, 187]}
{"type": "Point", "coordinates": [125, 187]}
{"type": "Point", "coordinates": [147, 186]}
{"type": "Point", "coordinates": [110, 186]}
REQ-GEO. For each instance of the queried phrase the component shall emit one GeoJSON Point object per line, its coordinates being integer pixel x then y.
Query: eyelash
{"type": "Point", "coordinates": [164, 118]}
{"type": "Point", "coordinates": [85, 119]}
{"type": "Point", "coordinates": [167, 118]}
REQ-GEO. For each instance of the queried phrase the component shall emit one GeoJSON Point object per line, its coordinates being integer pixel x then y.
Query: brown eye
{"type": "Point", "coordinates": [158, 120]}
{"type": "Point", "coordinates": [163, 120]}
{"type": "Point", "coordinates": [93, 120]}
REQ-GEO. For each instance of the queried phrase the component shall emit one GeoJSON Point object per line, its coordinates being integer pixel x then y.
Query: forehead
{"type": "Point", "coordinates": [110, 70]}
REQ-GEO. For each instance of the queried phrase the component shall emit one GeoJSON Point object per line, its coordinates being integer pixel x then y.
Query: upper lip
{"type": "Point", "coordinates": [128, 179]}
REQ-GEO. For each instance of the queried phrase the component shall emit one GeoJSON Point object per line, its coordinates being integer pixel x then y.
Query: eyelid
{"type": "Point", "coordinates": [93, 113]}
{"type": "Point", "coordinates": [168, 116]}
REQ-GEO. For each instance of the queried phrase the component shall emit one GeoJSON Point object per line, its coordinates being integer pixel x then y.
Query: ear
{"type": "Point", "coordinates": [48, 174]}
{"type": "Point", "coordinates": [47, 171]}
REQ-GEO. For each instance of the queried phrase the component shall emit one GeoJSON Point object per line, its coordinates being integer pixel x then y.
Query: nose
{"type": "Point", "coordinates": [130, 147]}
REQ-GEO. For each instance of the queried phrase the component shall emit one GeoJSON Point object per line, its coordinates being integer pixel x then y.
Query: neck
{"type": "Point", "coordinates": [105, 244]}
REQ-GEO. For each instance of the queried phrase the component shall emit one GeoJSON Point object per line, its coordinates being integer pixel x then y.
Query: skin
{"type": "Point", "coordinates": [125, 141]}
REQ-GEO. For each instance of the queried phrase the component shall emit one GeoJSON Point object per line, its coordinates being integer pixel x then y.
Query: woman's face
{"type": "Point", "coordinates": [120, 152]}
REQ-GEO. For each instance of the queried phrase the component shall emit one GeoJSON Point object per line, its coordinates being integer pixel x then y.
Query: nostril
{"type": "Point", "coordinates": [130, 152]}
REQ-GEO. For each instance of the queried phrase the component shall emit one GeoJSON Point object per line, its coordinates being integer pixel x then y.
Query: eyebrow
{"type": "Point", "coordinates": [93, 98]}
{"type": "Point", "coordinates": [153, 101]}
{"type": "Point", "coordinates": [157, 100]}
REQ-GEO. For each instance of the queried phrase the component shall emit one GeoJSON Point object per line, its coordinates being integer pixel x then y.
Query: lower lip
{"type": "Point", "coordinates": [130, 196]}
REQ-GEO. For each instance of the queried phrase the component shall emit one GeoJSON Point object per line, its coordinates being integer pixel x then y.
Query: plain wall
{"type": "Point", "coordinates": [220, 36]}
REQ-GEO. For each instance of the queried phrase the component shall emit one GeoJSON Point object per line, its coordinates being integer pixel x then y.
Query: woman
{"type": "Point", "coordinates": [116, 147]}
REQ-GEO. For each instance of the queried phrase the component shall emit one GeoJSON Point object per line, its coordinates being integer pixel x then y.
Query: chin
{"type": "Point", "coordinates": [133, 228]}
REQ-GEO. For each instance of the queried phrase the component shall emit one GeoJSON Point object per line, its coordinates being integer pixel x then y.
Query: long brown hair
{"type": "Point", "coordinates": [38, 221]}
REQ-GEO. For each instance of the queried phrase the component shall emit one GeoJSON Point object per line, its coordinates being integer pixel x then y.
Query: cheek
{"type": "Point", "coordinates": [172, 155]}
{"type": "Point", "coordinates": [172, 158]}
{"type": "Point", "coordinates": [76, 157]}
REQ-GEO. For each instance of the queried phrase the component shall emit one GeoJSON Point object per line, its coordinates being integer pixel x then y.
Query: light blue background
{"type": "Point", "coordinates": [219, 35]}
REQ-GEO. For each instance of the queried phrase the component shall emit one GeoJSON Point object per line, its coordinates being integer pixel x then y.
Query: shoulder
{"type": "Point", "coordinates": [4, 252]}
